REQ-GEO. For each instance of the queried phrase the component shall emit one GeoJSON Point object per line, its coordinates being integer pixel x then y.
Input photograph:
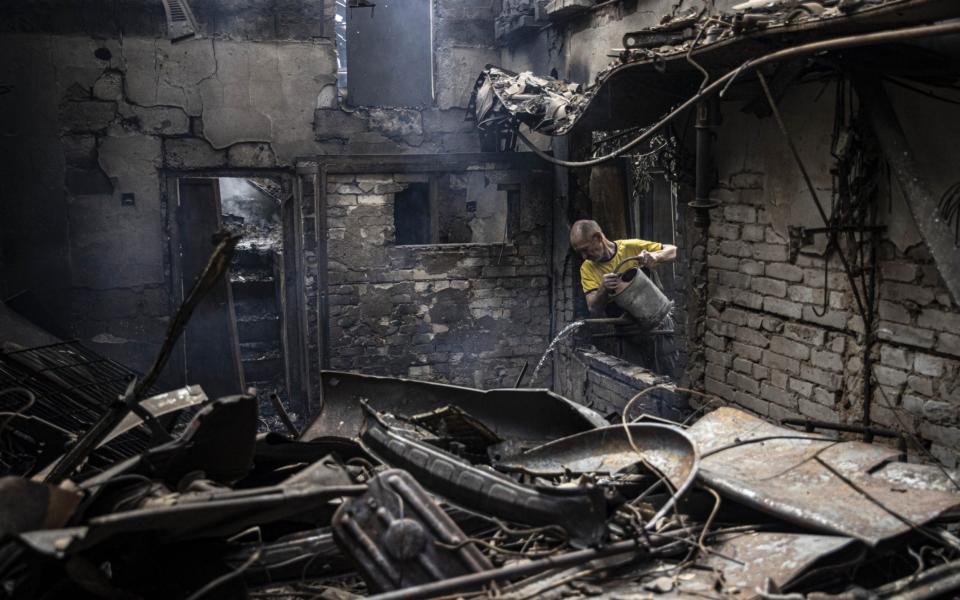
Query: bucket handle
{"type": "Point", "coordinates": [625, 261]}
{"type": "Point", "coordinates": [654, 276]}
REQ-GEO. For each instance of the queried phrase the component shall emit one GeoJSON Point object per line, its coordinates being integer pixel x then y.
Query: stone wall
{"type": "Point", "coordinates": [470, 314]}
{"type": "Point", "coordinates": [102, 105]}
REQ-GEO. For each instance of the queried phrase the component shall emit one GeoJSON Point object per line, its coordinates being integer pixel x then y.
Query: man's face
{"type": "Point", "coordinates": [590, 248]}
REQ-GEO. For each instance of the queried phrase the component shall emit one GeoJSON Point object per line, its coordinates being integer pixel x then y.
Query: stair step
{"type": "Point", "coordinates": [263, 370]}
{"type": "Point", "coordinates": [253, 309]}
{"type": "Point", "coordinates": [243, 275]}
{"type": "Point", "coordinates": [249, 258]}
{"type": "Point", "coordinates": [258, 350]}
{"type": "Point", "coordinates": [255, 290]}
{"type": "Point", "coordinates": [258, 330]}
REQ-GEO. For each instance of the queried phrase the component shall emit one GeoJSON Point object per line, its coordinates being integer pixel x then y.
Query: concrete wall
{"type": "Point", "coordinates": [255, 92]}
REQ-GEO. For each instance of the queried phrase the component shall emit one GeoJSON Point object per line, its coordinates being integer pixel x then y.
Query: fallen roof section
{"type": "Point", "coordinates": [644, 82]}
{"type": "Point", "coordinates": [816, 482]}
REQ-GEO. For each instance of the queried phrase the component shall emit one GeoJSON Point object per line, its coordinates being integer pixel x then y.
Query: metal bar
{"type": "Point", "coordinates": [72, 365]}
{"type": "Point", "coordinates": [44, 347]}
{"type": "Point", "coordinates": [215, 269]}
{"type": "Point", "coordinates": [810, 425]}
{"type": "Point", "coordinates": [474, 580]}
{"type": "Point", "coordinates": [282, 413]}
{"type": "Point", "coordinates": [523, 372]}
{"type": "Point", "coordinates": [852, 228]}
{"type": "Point", "coordinates": [638, 333]}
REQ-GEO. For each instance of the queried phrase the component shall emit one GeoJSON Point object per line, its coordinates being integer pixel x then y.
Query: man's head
{"type": "Point", "coordinates": [588, 240]}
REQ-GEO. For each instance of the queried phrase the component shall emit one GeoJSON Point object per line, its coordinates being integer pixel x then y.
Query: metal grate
{"type": "Point", "coordinates": [176, 11]}
{"type": "Point", "coordinates": [180, 20]}
{"type": "Point", "coordinates": [73, 387]}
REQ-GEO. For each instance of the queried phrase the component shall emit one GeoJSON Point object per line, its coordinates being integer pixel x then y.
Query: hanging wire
{"type": "Point", "coordinates": [949, 210]}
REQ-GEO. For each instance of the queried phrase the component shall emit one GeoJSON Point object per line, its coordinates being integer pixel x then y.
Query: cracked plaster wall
{"type": "Point", "coordinates": [255, 92]}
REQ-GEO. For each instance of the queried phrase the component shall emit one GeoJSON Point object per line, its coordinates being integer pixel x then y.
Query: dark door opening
{"type": "Point", "coordinates": [239, 342]}
{"type": "Point", "coordinates": [210, 351]}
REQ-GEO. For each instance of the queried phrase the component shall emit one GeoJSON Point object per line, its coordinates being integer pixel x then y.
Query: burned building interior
{"type": "Point", "coordinates": [335, 299]}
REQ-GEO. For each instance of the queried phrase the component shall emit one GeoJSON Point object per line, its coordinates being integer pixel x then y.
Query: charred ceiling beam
{"type": "Point", "coordinates": [923, 203]}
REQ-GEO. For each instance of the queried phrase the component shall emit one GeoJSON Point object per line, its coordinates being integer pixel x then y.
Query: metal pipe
{"type": "Point", "coordinates": [523, 372]}
{"type": "Point", "coordinates": [216, 267]}
{"type": "Point", "coordinates": [704, 163]}
{"type": "Point", "coordinates": [609, 321]}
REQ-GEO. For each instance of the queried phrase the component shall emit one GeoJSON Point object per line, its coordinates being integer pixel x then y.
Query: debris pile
{"type": "Point", "coordinates": [405, 489]}
{"type": "Point", "coordinates": [681, 43]}
{"type": "Point", "coordinates": [503, 99]}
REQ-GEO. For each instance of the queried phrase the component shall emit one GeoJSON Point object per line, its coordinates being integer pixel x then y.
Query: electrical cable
{"type": "Point", "coordinates": [31, 398]}
{"type": "Point", "coordinates": [225, 578]}
{"type": "Point", "coordinates": [920, 91]}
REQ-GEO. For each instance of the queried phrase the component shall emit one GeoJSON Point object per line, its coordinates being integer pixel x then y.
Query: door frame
{"type": "Point", "coordinates": [292, 314]}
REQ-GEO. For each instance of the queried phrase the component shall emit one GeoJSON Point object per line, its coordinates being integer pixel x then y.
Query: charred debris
{"type": "Point", "coordinates": [407, 256]}
{"type": "Point", "coordinates": [408, 489]}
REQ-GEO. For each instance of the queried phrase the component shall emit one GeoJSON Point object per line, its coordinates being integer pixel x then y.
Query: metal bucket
{"type": "Point", "coordinates": [642, 300]}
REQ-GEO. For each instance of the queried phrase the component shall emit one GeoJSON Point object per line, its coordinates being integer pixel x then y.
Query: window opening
{"type": "Point", "coordinates": [411, 214]}
{"type": "Point", "coordinates": [389, 49]}
{"type": "Point", "coordinates": [458, 208]}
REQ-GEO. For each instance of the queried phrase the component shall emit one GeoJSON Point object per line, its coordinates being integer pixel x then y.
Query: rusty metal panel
{"type": "Point", "coordinates": [511, 414]}
{"type": "Point", "coordinates": [813, 481]}
{"type": "Point", "coordinates": [607, 450]}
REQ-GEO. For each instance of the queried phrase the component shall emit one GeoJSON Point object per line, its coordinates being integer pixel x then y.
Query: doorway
{"type": "Point", "coordinates": [235, 339]}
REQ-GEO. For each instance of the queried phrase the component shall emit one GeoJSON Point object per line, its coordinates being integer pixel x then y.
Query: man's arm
{"type": "Point", "coordinates": [597, 302]}
{"type": "Point", "coordinates": [598, 299]}
{"type": "Point", "coordinates": [666, 253]}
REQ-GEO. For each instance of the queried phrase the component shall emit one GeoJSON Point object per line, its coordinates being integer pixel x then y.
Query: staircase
{"type": "Point", "coordinates": [253, 280]}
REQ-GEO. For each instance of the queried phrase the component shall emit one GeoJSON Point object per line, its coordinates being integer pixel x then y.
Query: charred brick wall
{"type": "Point", "coordinates": [769, 345]}
{"type": "Point", "coordinates": [469, 314]}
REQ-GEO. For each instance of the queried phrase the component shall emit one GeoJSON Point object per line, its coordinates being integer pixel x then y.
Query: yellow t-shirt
{"type": "Point", "coordinates": [592, 272]}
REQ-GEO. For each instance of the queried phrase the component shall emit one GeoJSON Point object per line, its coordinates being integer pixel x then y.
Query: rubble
{"type": "Point", "coordinates": [414, 503]}
{"type": "Point", "coordinates": [502, 100]}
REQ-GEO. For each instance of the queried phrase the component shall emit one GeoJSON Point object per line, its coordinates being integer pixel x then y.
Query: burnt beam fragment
{"type": "Point", "coordinates": [921, 200]}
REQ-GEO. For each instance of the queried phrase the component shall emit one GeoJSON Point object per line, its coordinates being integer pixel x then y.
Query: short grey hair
{"type": "Point", "coordinates": [584, 229]}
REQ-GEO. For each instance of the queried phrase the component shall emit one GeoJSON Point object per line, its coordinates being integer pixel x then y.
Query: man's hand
{"type": "Point", "coordinates": [611, 283]}
{"type": "Point", "coordinates": [647, 259]}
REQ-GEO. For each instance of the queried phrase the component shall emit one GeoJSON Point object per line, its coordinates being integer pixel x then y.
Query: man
{"type": "Point", "coordinates": [601, 256]}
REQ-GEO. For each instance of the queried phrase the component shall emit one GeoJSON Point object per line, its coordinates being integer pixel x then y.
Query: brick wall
{"type": "Point", "coordinates": [469, 314]}
{"type": "Point", "coordinates": [766, 345]}
{"type": "Point", "coordinates": [606, 384]}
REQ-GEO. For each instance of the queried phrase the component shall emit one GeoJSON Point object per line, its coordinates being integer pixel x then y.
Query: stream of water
{"type": "Point", "coordinates": [553, 344]}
